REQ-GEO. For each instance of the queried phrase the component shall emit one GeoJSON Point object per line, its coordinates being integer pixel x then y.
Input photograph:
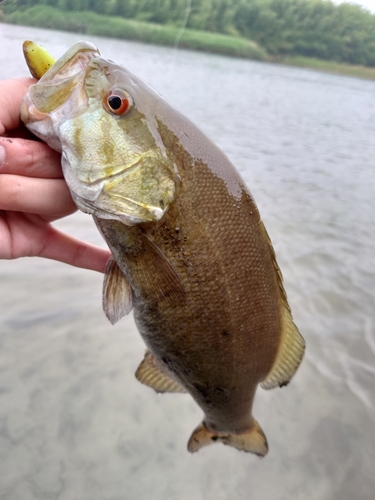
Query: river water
{"type": "Point", "coordinates": [74, 422]}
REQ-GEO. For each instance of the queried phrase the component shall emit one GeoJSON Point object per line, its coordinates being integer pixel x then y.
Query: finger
{"type": "Point", "coordinates": [64, 248]}
{"type": "Point", "coordinates": [29, 158]}
{"type": "Point", "coordinates": [49, 198]}
{"type": "Point", "coordinates": [11, 95]}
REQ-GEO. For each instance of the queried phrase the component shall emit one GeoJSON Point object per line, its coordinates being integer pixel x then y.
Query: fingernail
{"type": "Point", "coordinates": [2, 155]}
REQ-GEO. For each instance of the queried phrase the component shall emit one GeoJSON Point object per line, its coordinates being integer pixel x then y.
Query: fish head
{"type": "Point", "coordinates": [104, 121]}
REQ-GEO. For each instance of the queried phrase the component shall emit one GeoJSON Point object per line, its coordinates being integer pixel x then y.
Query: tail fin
{"type": "Point", "coordinates": [252, 440]}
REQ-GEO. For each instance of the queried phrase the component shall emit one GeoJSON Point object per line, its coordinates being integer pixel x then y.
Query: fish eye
{"type": "Point", "coordinates": [118, 102]}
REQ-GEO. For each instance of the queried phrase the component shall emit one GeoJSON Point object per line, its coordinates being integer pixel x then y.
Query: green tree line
{"type": "Point", "coordinates": [313, 28]}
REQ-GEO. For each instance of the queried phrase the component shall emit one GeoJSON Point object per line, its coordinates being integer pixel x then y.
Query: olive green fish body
{"type": "Point", "coordinates": [190, 253]}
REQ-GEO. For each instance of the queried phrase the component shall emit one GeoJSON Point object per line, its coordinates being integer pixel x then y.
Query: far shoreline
{"type": "Point", "coordinates": [90, 23]}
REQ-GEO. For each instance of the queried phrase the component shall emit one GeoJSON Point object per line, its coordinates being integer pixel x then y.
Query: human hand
{"type": "Point", "coordinates": [33, 192]}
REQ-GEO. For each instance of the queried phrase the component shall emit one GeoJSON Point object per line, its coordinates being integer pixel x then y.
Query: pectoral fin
{"type": "Point", "coordinates": [152, 274]}
{"type": "Point", "coordinates": [117, 293]}
{"type": "Point", "coordinates": [158, 273]}
{"type": "Point", "coordinates": [156, 376]}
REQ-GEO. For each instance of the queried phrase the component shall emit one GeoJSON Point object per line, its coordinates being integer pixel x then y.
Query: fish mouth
{"type": "Point", "coordinates": [75, 58]}
{"type": "Point", "coordinates": [59, 83]}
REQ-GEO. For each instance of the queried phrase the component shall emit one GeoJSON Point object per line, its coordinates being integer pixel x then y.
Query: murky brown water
{"type": "Point", "coordinates": [74, 422]}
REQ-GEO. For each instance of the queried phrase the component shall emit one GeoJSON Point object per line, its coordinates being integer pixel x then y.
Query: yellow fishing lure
{"type": "Point", "coordinates": [37, 59]}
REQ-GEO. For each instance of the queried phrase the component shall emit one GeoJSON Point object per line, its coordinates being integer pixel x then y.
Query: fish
{"type": "Point", "coordinates": [190, 254]}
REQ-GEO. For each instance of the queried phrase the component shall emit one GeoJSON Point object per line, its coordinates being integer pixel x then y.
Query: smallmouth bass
{"type": "Point", "coordinates": [191, 256]}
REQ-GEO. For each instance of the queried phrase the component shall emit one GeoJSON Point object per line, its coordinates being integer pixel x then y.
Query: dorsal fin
{"type": "Point", "coordinates": [292, 345]}
{"type": "Point", "coordinates": [117, 293]}
{"type": "Point", "coordinates": [151, 373]}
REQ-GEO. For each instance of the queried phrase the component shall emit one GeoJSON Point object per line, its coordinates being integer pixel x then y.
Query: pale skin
{"type": "Point", "coordinates": [33, 193]}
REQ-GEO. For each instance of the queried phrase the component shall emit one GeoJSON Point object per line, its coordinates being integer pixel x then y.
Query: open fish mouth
{"type": "Point", "coordinates": [74, 60]}
{"type": "Point", "coordinates": [57, 86]}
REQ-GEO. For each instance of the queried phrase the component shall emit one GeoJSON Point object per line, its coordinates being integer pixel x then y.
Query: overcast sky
{"type": "Point", "coordinates": [369, 4]}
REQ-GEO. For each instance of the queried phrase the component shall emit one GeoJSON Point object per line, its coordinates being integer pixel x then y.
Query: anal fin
{"type": "Point", "coordinates": [117, 293]}
{"type": "Point", "coordinates": [252, 440]}
{"type": "Point", "coordinates": [151, 373]}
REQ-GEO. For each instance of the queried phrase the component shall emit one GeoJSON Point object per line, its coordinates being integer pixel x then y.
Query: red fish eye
{"type": "Point", "coordinates": [118, 103]}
